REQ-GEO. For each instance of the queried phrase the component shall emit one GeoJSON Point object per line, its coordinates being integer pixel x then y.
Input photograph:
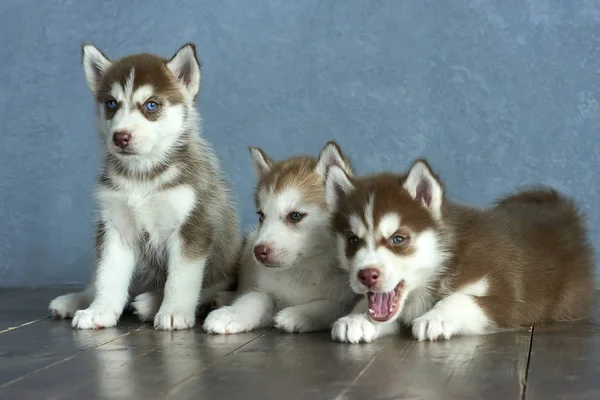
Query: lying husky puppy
{"type": "Point", "coordinates": [448, 269]}
{"type": "Point", "coordinates": [290, 275]}
{"type": "Point", "coordinates": [166, 220]}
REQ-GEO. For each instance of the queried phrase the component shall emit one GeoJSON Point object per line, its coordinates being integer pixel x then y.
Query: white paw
{"type": "Point", "coordinates": [174, 320]}
{"type": "Point", "coordinates": [65, 306]}
{"type": "Point", "coordinates": [146, 305]}
{"type": "Point", "coordinates": [432, 326]}
{"type": "Point", "coordinates": [291, 321]}
{"type": "Point", "coordinates": [95, 318]}
{"type": "Point", "coordinates": [224, 321]}
{"type": "Point", "coordinates": [354, 328]}
{"type": "Point", "coordinates": [223, 299]}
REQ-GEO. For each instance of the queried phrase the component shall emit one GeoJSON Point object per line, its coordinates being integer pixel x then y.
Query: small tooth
{"type": "Point", "coordinates": [371, 311]}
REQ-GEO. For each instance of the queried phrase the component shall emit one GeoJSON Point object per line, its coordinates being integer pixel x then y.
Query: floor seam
{"type": "Point", "coordinates": [527, 364]}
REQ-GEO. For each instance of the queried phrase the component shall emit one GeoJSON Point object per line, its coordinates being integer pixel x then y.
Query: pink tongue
{"type": "Point", "coordinates": [379, 304]}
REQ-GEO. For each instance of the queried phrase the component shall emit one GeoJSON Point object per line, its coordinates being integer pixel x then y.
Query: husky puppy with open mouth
{"type": "Point", "coordinates": [446, 269]}
{"type": "Point", "coordinates": [167, 226]}
{"type": "Point", "coordinates": [289, 269]}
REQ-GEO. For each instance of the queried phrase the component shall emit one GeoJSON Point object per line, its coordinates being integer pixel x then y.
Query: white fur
{"type": "Point", "coordinates": [358, 327]}
{"type": "Point", "coordinates": [185, 60]}
{"type": "Point", "coordinates": [260, 164]}
{"type": "Point", "coordinates": [95, 64]}
{"type": "Point", "coordinates": [182, 291]}
{"type": "Point", "coordinates": [150, 140]}
{"type": "Point", "coordinates": [389, 225]}
{"type": "Point", "coordinates": [127, 214]}
{"type": "Point", "coordinates": [457, 314]}
{"type": "Point", "coordinates": [146, 305]}
{"type": "Point", "coordinates": [306, 291]}
{"type": "Point", "coordinates": [415, 270]}
{"type": "Point", "coordinates": [328, 157]}
{"type": "Point", "coordinates": [337, 183]}
{"type": "Point", "coordinates": [418, 174]}
{"type": "Point", "coordinates": [129, 208]}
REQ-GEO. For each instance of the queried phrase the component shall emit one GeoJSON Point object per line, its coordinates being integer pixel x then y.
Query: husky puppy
{"type": "Point", "coordinates": [447, 269]}
{"type": "Point", "coordinates": [166, 224]}
{"type": "Point", "coordinates": [290, 275]}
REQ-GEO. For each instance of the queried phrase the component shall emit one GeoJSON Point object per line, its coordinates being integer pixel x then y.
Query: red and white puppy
{"type": "Point", "coordinates": [447, 269]}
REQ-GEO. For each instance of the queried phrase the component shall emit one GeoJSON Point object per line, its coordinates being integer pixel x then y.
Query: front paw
{"type": "Point", "coordinates": [64, 306]}
{"type": "Point", "coordinates": [432, 326]}
{"type": "Point", "coordinates": [174, 320]}
{"type": "Point", "coordinates": [95, 318]}
{"type": "Point", "coordinates": [354, 328]}
{"type": "Point", "coordinates": [146, 305]}
{"type": "Point", "coordinates": [291, 321]}
{"type": "Point", "coordinates": [224, 321]}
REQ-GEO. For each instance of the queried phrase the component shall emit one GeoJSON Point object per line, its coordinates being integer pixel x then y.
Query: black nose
{"type": "Point", "coordinates": [121, 139]}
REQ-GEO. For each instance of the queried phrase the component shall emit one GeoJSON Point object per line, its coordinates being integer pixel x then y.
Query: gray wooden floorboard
{"type": "Point", "coordinates": [41, 358]}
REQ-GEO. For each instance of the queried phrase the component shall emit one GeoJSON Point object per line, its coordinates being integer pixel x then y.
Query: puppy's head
{"type": "Point", "coordinates": [294, 220]}
{"type": "Point", "coordinates": [143, 101]}
{"type": "Point", "coordinates": [389, 233]}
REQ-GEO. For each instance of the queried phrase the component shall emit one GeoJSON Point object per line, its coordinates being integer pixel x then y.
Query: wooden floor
{"type": "Point", "coordinates": [41, 358]}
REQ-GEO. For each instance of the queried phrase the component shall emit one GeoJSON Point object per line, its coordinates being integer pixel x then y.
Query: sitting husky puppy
{"type": "Point", "coordinates": [448, 269]}
{"type": "Point", "coordinates": [289, 270]}
{"type": "Point", "coordinates": [166, 220]}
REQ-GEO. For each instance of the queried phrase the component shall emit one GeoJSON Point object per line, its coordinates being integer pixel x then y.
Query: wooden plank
{"type": "Point", "coordinates": [143, 364]}
{"type": "Point", "coordinates": [34, 347]}
{"type": "Point", "coordinates": [282, 366]}
{"type": "Point", "coordinates": [20, 307]}
{"type": "Point", "coordinates": [565, 361]}
{"type": "Point", "coordinates": [474, 367]}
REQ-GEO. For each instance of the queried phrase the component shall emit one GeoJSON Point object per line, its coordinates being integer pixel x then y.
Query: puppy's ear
{"type": "Point", "coordinates": [260, 162]}
{"type": "Point", "coordinates": [184, 65]}
{"type": "Point", "coordinates": [95, 65]}
{"type": "Point", "coordinates": [331, 155]}
{"type": "Point", "coordinates": [424, 186]}
{"type": "Point", "coordinates": [338, 185]}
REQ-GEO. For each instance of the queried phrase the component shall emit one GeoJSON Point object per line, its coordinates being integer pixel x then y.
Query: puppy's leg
{"type": "Point", "coordinates": [66, 305]}
{"type": "Point", "coordinates": [116, 262]}
{"type": "Point", "coordinates": [146, 305]}
{"type": "Point", "coordinates": [182, 288]}
{"type": "Point", "coordinates": [358, 326]}
{"type": "Point", "coordinates": [250, 311]}
{"type": "Point", "coordinates": [314, 316]}
{"type": "Point", "coordinates": [457, 314]}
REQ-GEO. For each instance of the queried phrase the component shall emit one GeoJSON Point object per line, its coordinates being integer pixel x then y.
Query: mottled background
{"type": "Point", "coordinates": [496, 94]}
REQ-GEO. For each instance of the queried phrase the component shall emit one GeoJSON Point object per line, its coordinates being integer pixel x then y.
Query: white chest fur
{"type": "Point", "coordinates": [138, 208]}
{"type": "Point", "coordinates": [291, 287]}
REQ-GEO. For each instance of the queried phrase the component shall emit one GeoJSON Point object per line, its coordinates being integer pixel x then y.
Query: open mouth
{"type": "Point", "coordinates": [383, 306]}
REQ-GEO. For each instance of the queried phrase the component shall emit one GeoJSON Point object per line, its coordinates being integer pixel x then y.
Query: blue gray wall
{"type": "Point", "coordinates": [496, 93]}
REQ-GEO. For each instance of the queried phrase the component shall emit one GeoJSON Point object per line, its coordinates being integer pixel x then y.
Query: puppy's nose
{"type": "Point", "coordinates": [368, 276]}
{"type": "Point", "coordinates": [121, 139]}
{"type": "Point", "coordinates": [261, 252]}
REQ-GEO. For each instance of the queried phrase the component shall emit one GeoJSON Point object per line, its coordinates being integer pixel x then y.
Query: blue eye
{"type": "Point", "coordinates": [397, 240]}
{"type": "Point", "coordinates": [353, 240]}
{"type": "Point", "coordinates": [111, 104]}
{"type": "Point", "coordinates": [151, 106]}
{"type": "Point", "coordinates": [295, 216]}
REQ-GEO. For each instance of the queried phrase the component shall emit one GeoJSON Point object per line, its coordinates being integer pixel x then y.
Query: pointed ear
{"type": "Point", "coordinates": [186, 68]}
{"type": "Point", "coordinates": [260, 161]}
{"type": "Point", "coordinates": [95, 65]}
{"type": "Point", "coordinates": [424, 186]}
{"type": "Point", "coordinates": [331, 155]}
{"type": "Point", "coordinates": [337, 186]}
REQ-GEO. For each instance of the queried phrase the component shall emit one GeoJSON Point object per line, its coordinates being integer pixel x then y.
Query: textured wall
{"type": "Point", "coordinates": [496, 94]}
